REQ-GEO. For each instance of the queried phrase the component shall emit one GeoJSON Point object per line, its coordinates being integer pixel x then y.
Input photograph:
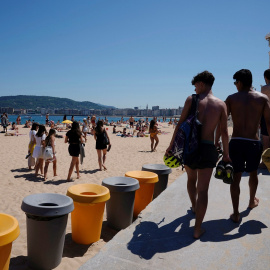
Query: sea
{"type": "Point", "coordinates": [41, 118]}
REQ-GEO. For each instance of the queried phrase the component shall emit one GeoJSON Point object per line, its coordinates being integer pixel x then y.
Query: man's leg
{"type": "Point", "coordinates": [235, 193]}
{"type": "Point", "coordinates": [253, 184]}
{"type": "Point", "coordinates": [191, 186]}
{"type": "Point", "coordinates": [204, 176]}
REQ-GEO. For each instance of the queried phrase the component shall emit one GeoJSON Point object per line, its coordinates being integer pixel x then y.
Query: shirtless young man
{"type": "Point", "coordinates": [265, 135]}
{"type": "Point", "coordinates": [212, 111]}
{"type": "Point", "coordinates": [246, 107]}
{"type": "Point", "coordinates": [131, 122]}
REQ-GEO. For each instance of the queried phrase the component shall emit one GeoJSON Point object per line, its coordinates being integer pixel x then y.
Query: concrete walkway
{"type": "Point", "coordinates": [162, 236]}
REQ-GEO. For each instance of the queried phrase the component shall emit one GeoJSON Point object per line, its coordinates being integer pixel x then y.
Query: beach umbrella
{"type": "Point", "coordinates": [67, 122]}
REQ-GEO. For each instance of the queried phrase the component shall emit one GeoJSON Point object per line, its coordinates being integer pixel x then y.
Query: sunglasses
{"type": "Point", "coordinates": [236, 82]}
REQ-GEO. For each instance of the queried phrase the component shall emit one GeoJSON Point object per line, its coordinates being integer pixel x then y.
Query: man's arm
{"type": "Point", "coordinates": [183, 117]}
{"type": "Point", "coordinates": [266, 114]}
{"type": "Point", "coordinates": [224, 133]}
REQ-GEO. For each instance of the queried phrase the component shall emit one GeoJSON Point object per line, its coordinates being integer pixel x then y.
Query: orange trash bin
{"type": "Point", "coordinates": [87, 217]}
{"type": "Point", "coordinates": [144, 194]}
{"type": "Point", "coordinates": [9, 231]}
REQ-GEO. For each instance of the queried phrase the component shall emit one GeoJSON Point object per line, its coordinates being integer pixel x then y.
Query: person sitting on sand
{"type": "Point", "coordinates": [102, 139]}
{"type": "Point", "coordinates": [140, 133]}
{"type": "Point", "coordinates": [246, 107]}
{"type": "Point", "coordinates": [153, 130]}
{"type": "Point", "coordinates": [50, 142]}
{"type": "Point", "coordinates": [74, 138]}
{"type": "Point", "coordinates": [14, 127]}
{"type": "Point", "coordinates": [212, 111]}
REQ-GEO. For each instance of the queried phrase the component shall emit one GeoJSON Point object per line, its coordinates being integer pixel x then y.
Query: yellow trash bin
{"type": "Point", "coordinates": [9, 231]}
{"type": "Point", "coordinates": [144, 194]}
{"type": "Point", "coordinates": [86, 219]}
{"type": "Point", "coordinates": [266, 158]}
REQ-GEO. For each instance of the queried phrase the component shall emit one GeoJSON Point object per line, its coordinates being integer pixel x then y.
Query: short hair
{"type": "Point", "coordinates": [266, 74]}
{"type": "Point", "coordinates": [205, 77]}
{"type": "Point", "coordinates": [244, 76]}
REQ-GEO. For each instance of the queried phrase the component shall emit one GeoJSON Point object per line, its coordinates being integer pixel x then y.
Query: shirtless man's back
{"type": "Point", "coordinates": [246, 107]}
{"type": "Point", "coordinates": [212, 111]}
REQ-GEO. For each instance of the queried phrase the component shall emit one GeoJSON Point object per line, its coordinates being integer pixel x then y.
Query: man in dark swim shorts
{"type": "Point", "coordinates": [246, 107]}
{"type": "Point", "coordinates": [212, 111]}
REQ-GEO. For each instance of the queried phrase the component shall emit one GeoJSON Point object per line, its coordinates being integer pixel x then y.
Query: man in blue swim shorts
{"type": "Point", "coordinates": [246, 107]}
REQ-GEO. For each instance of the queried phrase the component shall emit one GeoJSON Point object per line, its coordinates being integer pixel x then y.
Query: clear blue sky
{"type": "Point", "coordinates": [128, 53]}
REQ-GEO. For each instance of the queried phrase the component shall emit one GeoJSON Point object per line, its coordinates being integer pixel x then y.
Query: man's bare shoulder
{"type": "Point", "coordinates": [217, 101]}
{"type": "Point", "coordinates": [266, 90]}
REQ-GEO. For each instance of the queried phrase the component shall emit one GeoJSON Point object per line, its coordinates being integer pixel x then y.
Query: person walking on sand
{"type": "Point", "coordinates": [31, 146]}
{"type": "Point", "coordinates": [131, 122]}
{"type": "Point", "coordinates": [265, 135]}
{"type": "Point", "coordinates": [38, 151]}
{"type": "Point", "coordinates": [85, 129]}
{"type": "Point", "coordinates": [102, 140]}
{"type": "Point", "coordinates": [50, 142]}
{"type": "Point", "coordinates": [247, 108]}
{"type": "Point", "coordinates": [153, 130]}
{"type": "Point", "coordinates": [211, 112]}
{"type": "Point", "coordinates": [74, 138]}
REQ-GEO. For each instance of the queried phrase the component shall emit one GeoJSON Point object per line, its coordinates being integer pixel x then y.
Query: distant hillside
{"type": "Point", "coordinates": [32, 102]}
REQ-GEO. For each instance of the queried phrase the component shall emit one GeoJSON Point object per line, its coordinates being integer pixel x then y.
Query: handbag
{"type": "Point", "coordinates": [48, 153]}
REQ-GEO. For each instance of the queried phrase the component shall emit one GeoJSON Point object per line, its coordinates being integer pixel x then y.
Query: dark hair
{"type": "Point", "coordinates": [41, 130]}
{"type": "Point", "coordinates": [152, 124]}
{"type": "Point", "coordinates": [266, 74]}
{"type": "Point", "coordinates": [244, 76]}
{"type": "Point", "coordinates": [51, 132]}
{"type": "Point", "coordinates": [34, 126]}
{"type": "Point", "coordinates": [75, 128]}
{"type": "Point", "coordinates": [205, 77]}
{"type": "Point", "coordinates": [98, 128]}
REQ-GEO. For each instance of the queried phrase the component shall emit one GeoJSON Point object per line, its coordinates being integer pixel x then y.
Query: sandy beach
{"type": "Point", "coordinates": [18, 182]}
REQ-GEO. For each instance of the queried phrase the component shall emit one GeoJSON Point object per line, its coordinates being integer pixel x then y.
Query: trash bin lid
{"type": "Point", "coordinates": [9, 229]}
{"type": "Point", "coordinates": [157, 168]}
{"type": "Point", "coordinates": [89, 193]}
{"type": "Point", "coordinates": [121, 184]}
{"type": "Point", "coordinates": [47, 205]}
{"type": "Point", "coordinates": [143, 176]}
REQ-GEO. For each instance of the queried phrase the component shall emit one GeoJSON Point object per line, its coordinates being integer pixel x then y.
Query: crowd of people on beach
{"type": "Point", "coordinates": [250, 110]}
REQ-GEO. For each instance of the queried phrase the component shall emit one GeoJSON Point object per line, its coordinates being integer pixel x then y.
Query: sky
{"type": "Point", "coordinates": [129, 53]}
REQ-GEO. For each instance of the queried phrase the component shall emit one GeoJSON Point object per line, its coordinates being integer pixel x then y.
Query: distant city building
{"type": "Point", "coordinates": [155, 108]}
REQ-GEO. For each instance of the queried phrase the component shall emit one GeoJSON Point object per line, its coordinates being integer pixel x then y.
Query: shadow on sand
{"type": "Point", "coordinates": [149, 239]}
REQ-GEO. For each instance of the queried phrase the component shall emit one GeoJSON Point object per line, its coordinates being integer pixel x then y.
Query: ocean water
{"type": "Point", "coordinates": [41, 119]}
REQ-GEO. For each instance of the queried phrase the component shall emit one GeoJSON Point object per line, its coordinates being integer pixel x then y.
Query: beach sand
{"type": "Point", "coordinates": [17, 182]}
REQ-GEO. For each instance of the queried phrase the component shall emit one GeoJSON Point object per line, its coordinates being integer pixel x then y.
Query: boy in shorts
{"type": "Point", "coordinates": [212, 111]}
{"type": "Point", "coordinates": [246, 107]}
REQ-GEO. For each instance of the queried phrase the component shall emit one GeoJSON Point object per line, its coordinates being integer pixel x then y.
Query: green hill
{"type": "Point", "coordinates": [33, 102]}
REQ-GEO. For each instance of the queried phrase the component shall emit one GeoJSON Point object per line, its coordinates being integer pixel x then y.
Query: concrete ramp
{"type": "Point", "coordinates": [162, 236]}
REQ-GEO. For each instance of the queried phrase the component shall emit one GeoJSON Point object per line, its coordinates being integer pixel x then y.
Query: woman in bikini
{"type": "Point", "coordinates": [153, 135]}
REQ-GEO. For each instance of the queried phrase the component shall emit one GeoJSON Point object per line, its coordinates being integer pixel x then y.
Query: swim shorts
{"type": "Point", "coordinates": [263, 127]}
{"type": "Point", "coordinates": [245, 154]}
{"type": "Point", "coordinates": [206, 157]}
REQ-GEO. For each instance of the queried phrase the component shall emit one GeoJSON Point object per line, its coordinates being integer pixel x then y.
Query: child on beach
{"type": "Point", "coordinates": [153, 130]}
{"type": "Point", "coordinates": [85, 128]}
{"type": "Point", "coordinates": [38, 151]}
{"type": "Point", "coordinates": [102, 139]}
{"type": "Point", "coordinates": [50, 142]}
{"type": "Point", "coordinates": [74, 138]}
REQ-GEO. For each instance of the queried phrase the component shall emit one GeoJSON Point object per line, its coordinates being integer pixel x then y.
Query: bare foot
{"type": "Point", "coordinates": [254, 204]}
{"type": "Point", "coordinates": [70, 180]}
{"type": "Point", "coordinates": [193, 209]}
{"type": "Point", "coordinates": [198, 233]}
{"type": "Point", "coordinates": [235, 218]}
{"type": "Point", "coordinates": [78, 176]}
{"type": "Point", "coordinates": [105, 169]}
{"type": "Point", "coordinates": [55, 175]}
